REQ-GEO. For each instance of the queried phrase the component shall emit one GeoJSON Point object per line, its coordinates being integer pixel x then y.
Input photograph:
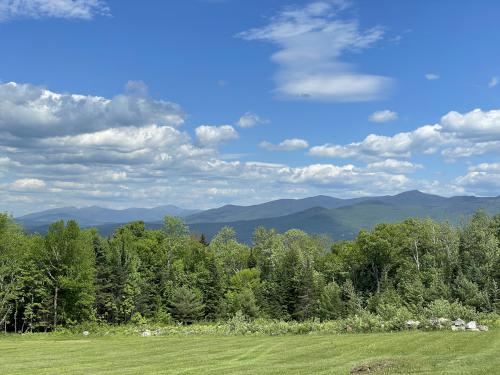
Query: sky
{"type": "Point", "coordinates": [201, 103]}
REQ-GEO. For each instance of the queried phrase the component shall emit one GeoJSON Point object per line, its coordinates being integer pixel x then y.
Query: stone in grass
{"type": "Point", "coordinates": [86, 333]}
{"type": "Point", "coordinates": [482, 328]}
{"type": "Point", "coordinates": [458, 323]}
{"type": "Point", "coordinates": [471, 326]}
{"type": "Point", "coordinates": [412, 323]}
{"type": "Point", "coordinates": [457, 328]}
{"type": "Point", "coordinates": [146, 333]}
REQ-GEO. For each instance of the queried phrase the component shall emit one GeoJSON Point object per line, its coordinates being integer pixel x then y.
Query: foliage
{"type": "Point", "coordinates": [186, 305]}
{"type": "Point", "coordinates": [284, 283]}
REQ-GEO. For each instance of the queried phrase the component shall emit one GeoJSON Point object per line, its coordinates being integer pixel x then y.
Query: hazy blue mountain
{"type": "Point", "coordinates": [280, 207]}
{"type": "Point", "coordinates": [345, 222]}
{"type": "Point", "coordinates": [337, 218]}
{"type": "Point", "coordinates": [95, 216]}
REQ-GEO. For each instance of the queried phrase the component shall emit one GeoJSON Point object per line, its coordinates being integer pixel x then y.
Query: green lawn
{"type": "Point", "coordinates": [407, 353]}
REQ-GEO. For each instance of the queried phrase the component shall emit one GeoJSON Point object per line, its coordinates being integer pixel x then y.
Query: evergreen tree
{"type": "Point", "coordinates": [186, 305]}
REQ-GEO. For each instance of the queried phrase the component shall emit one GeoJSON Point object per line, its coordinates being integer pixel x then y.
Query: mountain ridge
{"type": "Point", "coordinates": [336, 217]}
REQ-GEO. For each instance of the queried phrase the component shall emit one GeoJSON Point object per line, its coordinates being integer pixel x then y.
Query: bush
{"type": "Point", "coordinates": [442, 308]}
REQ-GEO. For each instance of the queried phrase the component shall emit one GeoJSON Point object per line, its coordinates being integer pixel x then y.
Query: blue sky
{"type": "Point", "coordinates": [205, 102]}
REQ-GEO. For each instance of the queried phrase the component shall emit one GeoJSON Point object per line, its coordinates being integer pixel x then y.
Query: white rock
{"type": "Point", "coordinates": [458, 323]}
{"type": "Point", "coordinates": [482, 328]}
{"type": "Point", "coordinates": [86, 333]}
{"type": "Point", "coordinates": [412, 323]}
{"type": "Point", "coordinates": [471, 325]}
{"type": "Point", "coordinates": [146, 333]}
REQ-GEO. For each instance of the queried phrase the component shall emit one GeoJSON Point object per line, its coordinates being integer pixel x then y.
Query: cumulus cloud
{"type": "Point", "coordinates": [476, 124]}
{"type": "Point", "coordinates": [212, 135]}
{"type": "Point", "coordinates": [401, 145]}
{"type": "Point", "coordinates": [383, 116]}
{"type": "Point", "coordinates": [126, 139]}
{"type": "Point", "coordinates": [311, 40]}
{"type": "Point", "coordinates": [33, 111]}
{"type": "Point", "coordinates": [39, 9]}
{"type": "Point", "coordinates": [286, 145]}
{"type": "Point", "coordinates": [28, 184]}
{"type": "Point", "coordinates": [340, 176]}
{"type": "Point", "coordinates": [153, 161]}
{"type": "Point", "coordinates": [483, 178]}
{"type": "Point", "coordinates": [250, 119]}
{"type": "Point", "coordinates": [432, 76]}
{"type": "Point", "coordinates": [395, 166]}
{"type": "Point", "coordinates": [456, 135]}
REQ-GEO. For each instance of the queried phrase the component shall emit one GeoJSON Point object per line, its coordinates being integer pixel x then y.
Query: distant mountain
{"type": "Point", "coordinates": [280, 207]}
{"type": "Point", "coordinates": [95, 216]}
{"type": "Point", "coordinates": [346, 221]}
{"type": "Point", "coordinates": [337, 218]}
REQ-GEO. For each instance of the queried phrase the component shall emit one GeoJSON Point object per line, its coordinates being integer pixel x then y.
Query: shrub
{"type": "Point", "coordinates": [442, 308]}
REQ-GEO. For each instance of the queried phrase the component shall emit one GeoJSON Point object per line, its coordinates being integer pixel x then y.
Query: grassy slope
{"type": "Point", "coordinates": [411, 353]}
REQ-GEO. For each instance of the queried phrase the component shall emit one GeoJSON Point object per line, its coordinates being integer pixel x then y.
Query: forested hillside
{"type": "Point", "coordinates": [340, 219]}
{"type": "Point", "coordinates": [407, 269]}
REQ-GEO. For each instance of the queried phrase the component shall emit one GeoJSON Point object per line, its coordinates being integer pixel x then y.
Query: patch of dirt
{"type": "Point", "coordinates": [367, 368]}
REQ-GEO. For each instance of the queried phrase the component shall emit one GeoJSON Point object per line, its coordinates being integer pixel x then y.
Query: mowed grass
{"type": "Point", "coordinates": [406, 353]}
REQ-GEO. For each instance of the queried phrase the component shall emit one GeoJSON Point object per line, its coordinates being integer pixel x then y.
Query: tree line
{"type": "Point", "coordinates": [72, 275]}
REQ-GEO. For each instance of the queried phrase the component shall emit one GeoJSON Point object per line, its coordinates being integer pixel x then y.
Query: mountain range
{"type": "Point", "coordinates": [95, 216]}
{"type": "Point", "coordinates": [335, 217]}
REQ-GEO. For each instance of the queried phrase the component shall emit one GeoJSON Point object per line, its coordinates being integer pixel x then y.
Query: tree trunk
{"type": "Point", "coordinates": [15, 319]}
{"type": "Point", "coordinates": [416, 256]}
{"type": "Point", "coordinates": [56, 291]}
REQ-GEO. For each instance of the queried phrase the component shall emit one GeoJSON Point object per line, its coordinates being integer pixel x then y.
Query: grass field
{"type": "Point", "coordinates": [397, 353]}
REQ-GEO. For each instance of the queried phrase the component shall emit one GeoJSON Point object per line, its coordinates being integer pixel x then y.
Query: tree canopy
{"type": "Point", "coordinates": [72, 275]}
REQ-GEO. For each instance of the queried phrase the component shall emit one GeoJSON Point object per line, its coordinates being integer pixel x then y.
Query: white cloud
{"type": "Point", "coordinates": [38, 9]}
{"type": "Point", "coordinates": [126, 139]}
{"type": "Point", "coordinates": [286, 145]}
{"type": "Point", "coordinates": [250, 119]}
{"type": "Point", "coordinates": [432, 76]}
{"type": "Point", "coordinates": [33, 111]}
{"type": "Point", "coordinates": [5, 161]}
{"type": "Point", "coordinates": [149, 162]}
{"type": "Point", "coordinates": [311, 41]}
{"type": "Point", "coordinates": [468, 148]}
{"type": "Point", "coordinates": [394, 166]}
{"type": "Point", "coordinates": [476, 124]}
{"type": "Point", "coordinates": [374, 146]}
{"type": "Point", "coordinates": [457, 135]}
{"type": "Point", "coordinates": [493, 82]}
{"type": "Point", "coordinates": [383, 116]}
{"type": "Point", "coordinates": [340, 176]}
{"type": "Point", "coordinates": [483, 178]}
{"type": "Point", "coordinates": [25, 184]}
{"type": "Point", "coordinates": [486, 167]}
{"type": "Point", "coordinates": [212, 135]}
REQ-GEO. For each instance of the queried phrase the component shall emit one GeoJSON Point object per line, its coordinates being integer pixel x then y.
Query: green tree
{"type": "Point", "coordinates": [330, 304]}
{"type": "Point", "coordinates": [69, 262]}
{"type": "Point", "coordinates": [186, 305]}
{"type": "Point", "coordinates": [12, 257]}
